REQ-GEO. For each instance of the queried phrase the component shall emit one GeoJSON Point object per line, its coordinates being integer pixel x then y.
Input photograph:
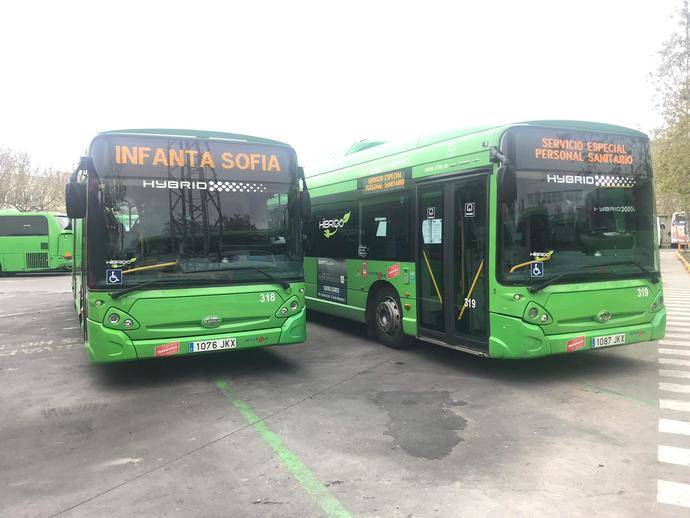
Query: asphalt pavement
{"type": "Point", "coordinates": [338, 426]}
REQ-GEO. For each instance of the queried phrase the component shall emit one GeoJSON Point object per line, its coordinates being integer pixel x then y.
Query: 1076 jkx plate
{"type": "Point", "coordinates": [212, 345]}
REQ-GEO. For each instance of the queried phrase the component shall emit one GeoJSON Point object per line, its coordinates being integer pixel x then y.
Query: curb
{"type": "Point", "coordinates": [683, 260]}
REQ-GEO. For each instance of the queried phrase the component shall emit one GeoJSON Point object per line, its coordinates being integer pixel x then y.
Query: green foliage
{"type": "Point", "coordinates": [671, 143]}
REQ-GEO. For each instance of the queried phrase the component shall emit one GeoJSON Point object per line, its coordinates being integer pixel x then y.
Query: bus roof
{"type": "Point", "coordinates": [491, 133]}
{"type": "Point", "coordinates": [191, 133]}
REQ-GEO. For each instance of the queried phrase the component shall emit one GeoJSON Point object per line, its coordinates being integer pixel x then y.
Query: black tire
{"type": "Point", "coordinates": [387, 320]}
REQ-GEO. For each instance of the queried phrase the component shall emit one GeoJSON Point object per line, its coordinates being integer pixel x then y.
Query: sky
{"type": "Point", "coordinates": [320, 75]}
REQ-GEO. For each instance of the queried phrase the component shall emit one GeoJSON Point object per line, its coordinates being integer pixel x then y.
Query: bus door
{"type": "Point", "coordinates": [453, 299]}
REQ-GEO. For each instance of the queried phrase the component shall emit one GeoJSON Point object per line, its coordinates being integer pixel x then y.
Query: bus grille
{"type": "Point", "coordinates": [36, 260]}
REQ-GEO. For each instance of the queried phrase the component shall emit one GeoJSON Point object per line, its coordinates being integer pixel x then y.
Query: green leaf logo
{"type": "Point", "coordinates": [346, 217]}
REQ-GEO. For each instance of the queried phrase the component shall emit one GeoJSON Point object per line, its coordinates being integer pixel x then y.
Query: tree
{"type": "Point", "coordinates": [671, 142]}
{"type": "Point", "coordinates": [27, 188]}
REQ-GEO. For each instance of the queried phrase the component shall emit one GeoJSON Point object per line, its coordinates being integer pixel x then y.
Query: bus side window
{"type": "Point", "coordinates": [385, 228]}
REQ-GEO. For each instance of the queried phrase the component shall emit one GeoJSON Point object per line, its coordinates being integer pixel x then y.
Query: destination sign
{"type": "Point", "coordinates": [567, 150]}
{"type": "Point", "coordinates": [143, 156]}
{"type": "Point", "coordinates": [385, 182]}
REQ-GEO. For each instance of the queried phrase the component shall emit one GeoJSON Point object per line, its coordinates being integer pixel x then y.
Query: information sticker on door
{"type": "Point", "coordinates": [432, 231]}
{"type": "Point", "coordinates": [469, 209]}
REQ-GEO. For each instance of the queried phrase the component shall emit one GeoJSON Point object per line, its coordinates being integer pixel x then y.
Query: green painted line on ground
{"type": "Point", "coordinates": [603, 390]}
{"type": "Point", "coordinates": [292, 463]}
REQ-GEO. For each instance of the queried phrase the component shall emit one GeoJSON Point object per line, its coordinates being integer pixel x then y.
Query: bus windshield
{"type": "Point", "coordinates": [580, 204]}
{"type": "Point", "coordinates": [570, 227]}
{"type": "Point", "coordinates": [153, 221]}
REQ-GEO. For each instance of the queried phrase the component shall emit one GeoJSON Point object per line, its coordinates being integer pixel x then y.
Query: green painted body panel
{"type": "Point", "coordinates": [26, 254]}
{"type": "Point", "coordinates": [360, 287]}
{"type": "Point", "coordinates": [175, 315]}
{"type": "Point", "coordinates": [513, 338]}
{"type": "Point", "coordinates": [572, 307]}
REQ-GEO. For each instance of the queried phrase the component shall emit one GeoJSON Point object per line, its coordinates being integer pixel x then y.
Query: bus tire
{"type": "Point", "coordinates": [387, 319]}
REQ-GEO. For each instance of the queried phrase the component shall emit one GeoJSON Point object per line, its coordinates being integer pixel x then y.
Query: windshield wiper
{"type": "Point", "coordinates": [285, 284]}
{"type": "Point", "coordinates": [535, 288]}
{"type": "Point", "coordinates": [125, 291]}
{"type": "Point", "coordinates": [272, 277]}
{"type": "Point", "coordinates": [654, 276]}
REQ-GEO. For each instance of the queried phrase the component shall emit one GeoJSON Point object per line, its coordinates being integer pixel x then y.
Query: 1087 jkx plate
{"type": "Point", "coordinates": [608, 340]}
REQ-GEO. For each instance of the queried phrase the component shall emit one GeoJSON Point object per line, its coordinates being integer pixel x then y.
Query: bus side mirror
{"type": "Point", "coordinates": [507, 185]}
{"type": "Point", "coordinates": [305, 204]}
{"type": "Point", "coordinates": [75, 200]}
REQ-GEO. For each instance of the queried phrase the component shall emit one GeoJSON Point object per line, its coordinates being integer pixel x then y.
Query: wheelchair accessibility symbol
{"type": "Point", "coordinates": [537, 270]}
{"type": "Point", "coordinates": [113, 276]}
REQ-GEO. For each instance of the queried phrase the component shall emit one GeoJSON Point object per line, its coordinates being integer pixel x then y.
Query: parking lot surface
{"type": "Point", "coordinates": [338, 426]}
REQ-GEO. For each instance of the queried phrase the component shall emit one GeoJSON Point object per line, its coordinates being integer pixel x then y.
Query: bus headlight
{"type": "Point", "coordinates": [536, 314]}
{"type": "Point", "coordinates": [118, 319]}
{"type": "Point", "coordinates": [658, 302]}
{"type": "Point", "coordinates": [289, 308]}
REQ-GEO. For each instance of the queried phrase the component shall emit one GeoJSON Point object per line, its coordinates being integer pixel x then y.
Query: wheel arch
{"type": "Point", "coordinates": [371, 297]}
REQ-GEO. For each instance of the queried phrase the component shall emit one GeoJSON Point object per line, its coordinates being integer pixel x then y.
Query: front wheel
{"type": "Point", "coordinates": [387, 320]}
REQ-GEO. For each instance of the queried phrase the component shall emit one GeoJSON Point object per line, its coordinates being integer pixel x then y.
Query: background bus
{"type": "Point", "coordinates": [515, 241]}
{"type": "Point", "coordinates": [679, 235]}
{"type": "Point", "coordinates": [186, 242]}
{"type": "Point", "coordinates": [34, 242]}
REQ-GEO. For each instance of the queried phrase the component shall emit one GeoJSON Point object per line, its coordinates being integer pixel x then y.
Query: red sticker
{"type": "Point", "coordinates": [168, 349]}
{"type": "Point", "coordinates": [393, 271]}
{"type": "Point", "coordinates": [575, 344]}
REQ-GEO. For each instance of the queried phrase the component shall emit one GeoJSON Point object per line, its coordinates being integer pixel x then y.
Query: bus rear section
{"type": "Point", "coordinates": [34, 242]}
{"type": "Point", "coordinates": [191, 245]}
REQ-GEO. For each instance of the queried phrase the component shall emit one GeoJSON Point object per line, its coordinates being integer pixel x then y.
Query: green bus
{"type": "Point", "coordinates": [187, 242]}
{"type": "Point", "coordinates": [34, 242]}
{"type": "Point", "coordinates": [514, 241]}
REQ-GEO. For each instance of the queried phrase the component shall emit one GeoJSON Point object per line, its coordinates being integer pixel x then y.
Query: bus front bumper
{"type": "Point", "coordinates": [106, 345]}
{"type": "Point", "coordinates": [514, 338]}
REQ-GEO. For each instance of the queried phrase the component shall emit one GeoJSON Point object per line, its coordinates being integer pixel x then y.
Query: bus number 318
{"type": "Point", "coordinates": [267, 297]}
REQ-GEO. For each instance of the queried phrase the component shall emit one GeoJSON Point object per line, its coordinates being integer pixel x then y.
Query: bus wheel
{"type": "Point", "coordinates": [387, 320]}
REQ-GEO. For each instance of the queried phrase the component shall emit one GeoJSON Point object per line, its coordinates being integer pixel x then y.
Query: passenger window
{"type": "Point", "coordinates": [385, 228]}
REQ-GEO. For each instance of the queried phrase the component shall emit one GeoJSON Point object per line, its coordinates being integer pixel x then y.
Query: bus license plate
{"type": "Point", "coordinates": [606, 341]}
{"type": "Point", "coordinates": [213, 345]}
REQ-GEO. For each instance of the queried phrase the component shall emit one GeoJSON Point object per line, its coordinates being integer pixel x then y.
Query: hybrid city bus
{"type": "Point", "coordinates": [34, 242]}
{"type": "Point", "coordinates": [187, 242]}
{"type": "Point", "coordinates": [514, 241]}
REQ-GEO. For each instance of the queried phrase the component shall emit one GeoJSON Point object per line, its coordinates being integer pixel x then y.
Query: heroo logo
{"type": "Point", "coordinates": [330, 227]}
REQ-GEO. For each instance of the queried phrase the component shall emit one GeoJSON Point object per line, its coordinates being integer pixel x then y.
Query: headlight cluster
{"type": "Point", "coordinates": [658, 302]}
{"type": "Point", "coordinates": [290, 307]}
{"type": "Point", "coordinates": [536, 314]}
{"type": "Point", "coordinates": [117, 319]}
